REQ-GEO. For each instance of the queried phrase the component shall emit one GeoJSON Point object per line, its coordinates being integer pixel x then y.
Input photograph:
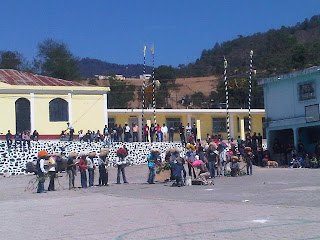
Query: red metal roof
{"type": "Point", "coordinates": [14, 77]}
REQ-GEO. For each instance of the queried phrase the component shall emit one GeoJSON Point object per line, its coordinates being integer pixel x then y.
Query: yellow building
{"type": "Point", "coordinates": [208, 121]}
{"type": "Point", "coordinates": [35, 102]}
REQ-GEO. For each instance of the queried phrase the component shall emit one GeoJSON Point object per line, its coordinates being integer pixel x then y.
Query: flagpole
{"type": "Point", "coordinates": [143, 91]}
{"type": "Point", "coordinates": [250, 90]}
{"type": "Point", "coordinates": [227, 97]}
{"type": "Point", "coordinates": [153, 89]}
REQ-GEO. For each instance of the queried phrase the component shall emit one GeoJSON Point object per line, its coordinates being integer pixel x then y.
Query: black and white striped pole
{"type": "Point", "coordinates": [153, 89]}
{"type": "Point", "coordinates": [250, 90]}
{"type": "Point", "coordinates": [143, 91]}
{"type": "Point", "coordinates": [227, 97]}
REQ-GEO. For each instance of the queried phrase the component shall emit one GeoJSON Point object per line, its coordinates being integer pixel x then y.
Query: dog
{"type": "Point", "coordinates": [272, 164]}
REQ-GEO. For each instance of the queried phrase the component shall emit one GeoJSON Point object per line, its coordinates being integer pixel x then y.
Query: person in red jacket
{"type": "Point", "coordinates": [83, 170]}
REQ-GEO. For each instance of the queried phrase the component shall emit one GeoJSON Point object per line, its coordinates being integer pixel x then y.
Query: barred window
{"type": "Point", "coordinates": [219, 125]}
{"type": "Point", "coordinates": [58, 110]}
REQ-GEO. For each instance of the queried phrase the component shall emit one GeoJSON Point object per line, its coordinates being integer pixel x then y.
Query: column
{"type": "Point", "coordinates": [139, 128]}
{"type": "Point", "coordinates": [105, 108]}
{"type": "Point", "coordinates": [231, 125]}
{"type": "Point", "coordinates": [32, 119]}
{"type": "Point", "coordinates": [198, 122]}
{"type": "Point", "coordinates": [242, 132]}
{"type": "Point", "coordinates": [189, 120]}
{"type": "Point", "coordinates": [70, 108]}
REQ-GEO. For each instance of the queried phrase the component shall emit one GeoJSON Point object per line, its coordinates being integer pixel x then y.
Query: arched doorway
{"type": "Point", "coordinates": [22, 114]}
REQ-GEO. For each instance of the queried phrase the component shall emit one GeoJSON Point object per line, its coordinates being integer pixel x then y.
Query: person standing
{"type": "Point", "coordinates": [171, 133]}
{"type": "Point", "coordinates": [71, 131]}
{"type": "Point", "coordinates": [52, 172]}
{"type": "Point", "coordinates": [194, 131]}
{"type": "Point", "coordinates": [126, 129]}
{"type": "Point", "coordinates": [71, 169]}
{"type": "Point", "coordinates": [182, 136]}
{"type": "Point", "coordinates": [259, 138]}
{"type": "Point", "coordinates": [119, 133]}
{"type": "Point", "coordinates": [9, 139]}
{"type": "Point", "coordinates": [164, 131]}
{"type": "Point", "coordinates": [159, 133]}
{"type": "Point", "coordinates": [146, 133]}
{"type": "Point", "coordinates": [122, 163]}
{"type": "Point", "coordinates": [152, 132]}
{"type": "Point", "coordinates": [40, 171]}
{"type": "Point", "coordinates": [103, 164]}
{"type": "Point", "coordinates": [83, 169]}
{"type": "Point", "coordinates": [91, 167]}
{"type": "Point", "coordinates": [105, 130]}
{"type": "Point", "coordinates": [188, 130]}
{"type": "Point", "coordinates": [135, 130]}
{"type": "Point", "coordinates": [212, 158]}
{"type": "Point", "coordinates": [152, 160]}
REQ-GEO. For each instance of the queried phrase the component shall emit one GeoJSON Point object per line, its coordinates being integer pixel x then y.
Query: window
{"type": "Point", "coordinates": [219, 125]}
{"type": "Point", "coordinates": [246, 124]}
{"type": "Point", "coordinates": [307, 91]}
{"type": "Point", "coordinates": [175, 122]}
{"type": "Point", "coordinates": [111, 123]}
{"type": "Point", "coordinates": [58, 110]}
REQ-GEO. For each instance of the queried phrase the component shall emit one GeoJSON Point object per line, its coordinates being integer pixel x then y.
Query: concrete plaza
{"type": "Point", "coordinates": [272, 204]}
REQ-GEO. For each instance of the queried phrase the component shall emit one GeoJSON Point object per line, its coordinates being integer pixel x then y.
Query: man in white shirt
{"type": "Point", "coordinates": [188, 131]}
{"type": "Point", "coordinates": [164, 131]}
{"type": "Point", "coordinates": [126, 132]}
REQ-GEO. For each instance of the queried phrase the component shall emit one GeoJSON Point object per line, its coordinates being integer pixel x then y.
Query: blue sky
{"type": "Point", "coordinates": [115, 31]}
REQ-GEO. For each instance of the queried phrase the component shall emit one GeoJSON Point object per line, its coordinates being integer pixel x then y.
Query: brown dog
{"type": "Point", "coordinates": [272, 164]}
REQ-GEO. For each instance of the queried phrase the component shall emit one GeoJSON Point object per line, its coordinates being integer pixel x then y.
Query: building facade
{"type": "Point", "coordinates": [292, 108]}
{"type": "Point", "coordinates": [35, 102]}
{"type": "Point", "coordinates": [208, 121]}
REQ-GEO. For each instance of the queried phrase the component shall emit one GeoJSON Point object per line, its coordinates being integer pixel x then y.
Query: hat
{"type": "Point", "coordinates": [92, 154]}
{"type": "Point", "coordinates": [155, 150]}
{"type": "Point", "coordinates": [73, 155]}
{"type": "Point", "coordinates": [247, 148]}
{"type": "Point", "coordinates": [42, 154]}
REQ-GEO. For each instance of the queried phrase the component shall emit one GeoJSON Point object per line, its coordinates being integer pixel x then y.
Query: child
{"type": "Point", "coordinates": [296, 161]}
{"type": "Point", "coordinates": [152, 160]}
{"type": "Point", "coordinates": [176, 173]}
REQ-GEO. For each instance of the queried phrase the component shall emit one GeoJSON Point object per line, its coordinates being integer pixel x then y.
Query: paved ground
{"type": "Point", "coordinates": [271, 204]}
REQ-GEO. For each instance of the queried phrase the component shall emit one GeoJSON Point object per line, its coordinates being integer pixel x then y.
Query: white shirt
{"type": "Point", "coordinates": [164, 129]}
{"type": "Point", "coordinates": [89, 163]}
{"type": "Point", "coordinates": [42, 165]}
{"type": "Point", "coordinates": [127, 129]}
{"type": "Point", "coordinates": [188, 129]}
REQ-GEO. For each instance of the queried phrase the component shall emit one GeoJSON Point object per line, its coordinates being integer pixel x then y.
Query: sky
{"type": "Point", "coordinates": [116, 30]}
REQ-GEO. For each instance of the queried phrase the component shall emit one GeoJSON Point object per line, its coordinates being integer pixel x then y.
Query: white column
{"type": "Point", "coordinates": [139, 127]}
{"type": "Point", "coordinates": [70, 108]}
{"type": "Point", "coordinates": [32, 120]}
{"type": "Point", "coordinates": [232, 125]}
{"type": "Point", "coordinates": [242, 131]}
{"type": "Point", "coordinates": [105, 109]}
{"type": "Point", "coordinates": [189, 119]}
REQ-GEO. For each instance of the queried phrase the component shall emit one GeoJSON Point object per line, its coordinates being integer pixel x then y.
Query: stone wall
{"type": "Point", "coordinates": [14, 160]}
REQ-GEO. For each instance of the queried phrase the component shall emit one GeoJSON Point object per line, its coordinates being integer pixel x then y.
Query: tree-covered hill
{"type": "Point", "coordinates": [89, 67]}
{"type": "Point", "coordinates": [275, 52]}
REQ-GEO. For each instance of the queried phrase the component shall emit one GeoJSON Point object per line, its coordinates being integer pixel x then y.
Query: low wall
{"type": "Point", "coordinates": [14, 160]}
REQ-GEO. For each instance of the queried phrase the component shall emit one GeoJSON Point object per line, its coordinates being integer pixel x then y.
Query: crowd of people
{"type": "Point", "coordinates": [297, 157]}
{"type": "Point", "coordinates": [203, 161]}
{"type": "Point", "coordinates": [119, 133]}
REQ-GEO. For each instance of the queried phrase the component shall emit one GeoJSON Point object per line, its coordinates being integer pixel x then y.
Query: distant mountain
{"type": "Point", "coordinates": [89, 67]}
{"type": "Point", "coordinates": [275, 52]}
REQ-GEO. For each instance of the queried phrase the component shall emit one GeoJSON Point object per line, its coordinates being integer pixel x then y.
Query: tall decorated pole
{"type": "Point", "coordinates": [250, 90]}
{"type": "Point", "coordinates": [227, 97]}
{"type": "Point", "coordinates": [143, 90]}
{"type": "Point", "coordinates": [153, 89]}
